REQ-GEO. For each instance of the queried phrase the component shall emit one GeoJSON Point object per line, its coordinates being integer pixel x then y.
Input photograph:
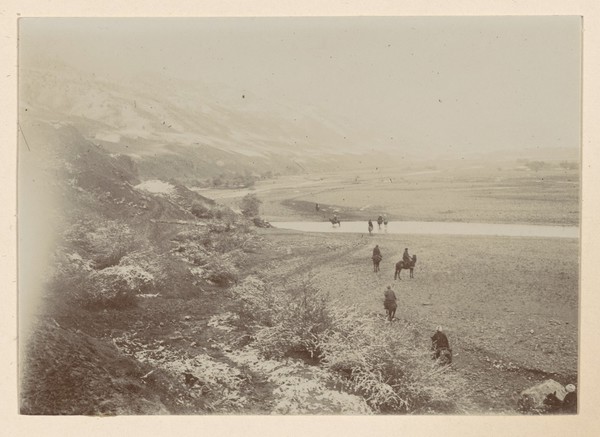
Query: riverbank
{"type": "Point", "coordinates": [435, 228]}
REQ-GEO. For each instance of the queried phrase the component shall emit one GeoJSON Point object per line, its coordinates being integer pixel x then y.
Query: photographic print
{"type": "Point", "coordinates": [299, 215]}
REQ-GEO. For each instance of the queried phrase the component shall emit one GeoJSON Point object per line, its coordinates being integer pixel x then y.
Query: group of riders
{"type": "Point", "coordinates": [381, 220]}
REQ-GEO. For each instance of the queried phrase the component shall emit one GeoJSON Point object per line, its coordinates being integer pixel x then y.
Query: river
{"type": "Point", "coordinates": [438, 228]}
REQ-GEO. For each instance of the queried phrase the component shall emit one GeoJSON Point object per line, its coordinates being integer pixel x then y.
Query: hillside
{"type": "Point", "coordinates": [104, 240]}
{"type": "Point", "coordinates": [186, 131]}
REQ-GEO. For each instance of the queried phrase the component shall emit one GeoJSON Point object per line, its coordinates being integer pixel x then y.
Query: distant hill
{"type": "Point", "coordinates": [184, 130]}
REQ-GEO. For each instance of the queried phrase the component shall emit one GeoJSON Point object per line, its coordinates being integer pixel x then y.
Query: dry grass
{"type": "Point", "coordinates": [379, 362]}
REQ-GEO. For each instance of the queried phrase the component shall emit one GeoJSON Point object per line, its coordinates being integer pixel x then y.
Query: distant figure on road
{"type": "Point", "coordinates": [389, 302]}
{"type": "Point", "coordinates": [379, 222]}
{"type": "Point", "coordinates": [317, 207]}
{"type": "Point", "coordinates": [335, 221]}
{"type": "Point", "coordinates": [370, 227]}
{"type": "Point", "coordinates": [440, 345]}
{"type": "Point", "coordinates": [406, 257]}
{"type": "Point", "coordinates": [385, 221]}
{"type": "Point", "coordinates": [376, 258]}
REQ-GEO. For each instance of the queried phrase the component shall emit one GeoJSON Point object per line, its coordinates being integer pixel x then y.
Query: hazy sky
{"type": "Point", "coordinates": [447, 83]}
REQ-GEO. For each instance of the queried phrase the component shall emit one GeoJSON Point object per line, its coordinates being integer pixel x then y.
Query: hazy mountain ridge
{"type": "Point", "coordinates": [161, 112]}
{"type": "Point", "coordinates": [191, 132]}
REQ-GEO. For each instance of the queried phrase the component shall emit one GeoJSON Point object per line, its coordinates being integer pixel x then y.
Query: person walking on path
{"type": "Point", "coordinates": [377, 257]}
{"type": "Point", "coordinates": [389, 303]}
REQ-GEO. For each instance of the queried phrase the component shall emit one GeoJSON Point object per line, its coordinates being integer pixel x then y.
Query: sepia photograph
{"type": "Point", "coordinates": [351, 215]}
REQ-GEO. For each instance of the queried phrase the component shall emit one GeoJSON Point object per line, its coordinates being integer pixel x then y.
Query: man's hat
{"type": "Point", "coordinates": [439, 328]}
{"type": "Point", "coordinates": [570, 388]}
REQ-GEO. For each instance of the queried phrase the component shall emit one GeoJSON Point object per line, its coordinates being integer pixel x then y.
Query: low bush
{"type": "Point", "coordinates": [299, 324]}
{"type": "Point", "coordinates": [250, 205]}
{"type": "Point", "coordinates": [200, 210]}
{"type": "Point", "coordinates": [218, 270]}
{"type": "Point", "coordinates": [103, 242]}
{"type": "Point", "coordinates": [387, 366]}
{"type": "Point", "coordinates": [381, 362]}
{"type": "Point", "coordinates": [258, 304]}
{"type": "Point", "coordinates": [104, 265]}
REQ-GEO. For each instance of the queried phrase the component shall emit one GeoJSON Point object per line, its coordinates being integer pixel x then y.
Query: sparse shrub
{"type": "Point", "coordinates": [382, 363]}
{"type": "Point", "coordinates": [103, 242]}
{"type": "Point", "coordinates": [387, 366]}
{"type": "Point", "coordinates": [198, 246]}
{"type": "Point", "coordinates": [258, 303]}
{"type": "Point", "coordinates": [250, 205]}
{"type": "Point", "coordinates": [303, 317]}
{"type": "Point", "coordinates": [201, 211]}
{"type": "Point", "coordinates": [218, 270]}
{"type": "Point", "coordinates": [97, 266]}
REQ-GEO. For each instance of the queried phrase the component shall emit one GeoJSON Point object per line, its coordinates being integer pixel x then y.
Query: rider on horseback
{"type": "Point", "coordinates": [439, 342]}
{"type": "Point", "coordinates": [406, 258]}
{"type": "Point", "coordinates": [377, 252]}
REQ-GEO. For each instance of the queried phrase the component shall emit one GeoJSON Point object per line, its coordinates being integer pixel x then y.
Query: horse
{"type": "Point", "coordinates": [376, 260]}
{"type": "Point", "coordinates": [406, 266]}
{"type": "Point", "coordinates": [335, 221]}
